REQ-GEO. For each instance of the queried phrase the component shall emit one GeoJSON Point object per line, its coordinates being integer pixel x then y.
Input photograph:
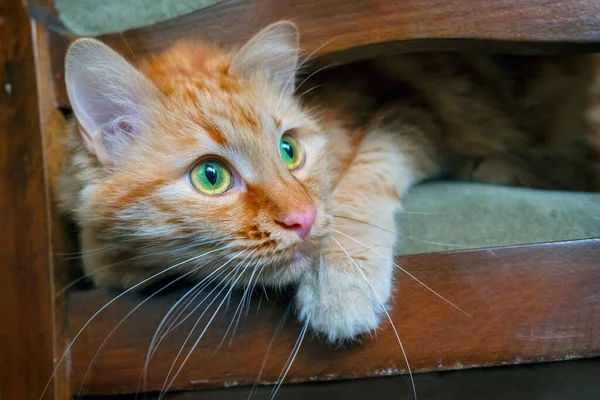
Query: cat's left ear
{"type": "Point", "coordinates": [274, 50]}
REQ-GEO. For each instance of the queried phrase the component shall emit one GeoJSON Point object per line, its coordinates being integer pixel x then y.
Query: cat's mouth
{"type": "Point", "coordinates": [294, 255]}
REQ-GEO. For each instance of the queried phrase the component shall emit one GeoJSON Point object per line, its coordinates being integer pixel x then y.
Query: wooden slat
{"type": "Point", "coordinates": [45, 12]}
{"type": "Point", "coordinates": [31, 327]}
{"type": "Point", "coordinates": [346, 30]}
{"type": "Point", "coordinates": [52, 126]}
{"type": "Point", "coordinates": [548, 381]}
{"type": "Point", "coordinates": [348, 24]}
{"type": "Point", "coordinates": [527, 304]}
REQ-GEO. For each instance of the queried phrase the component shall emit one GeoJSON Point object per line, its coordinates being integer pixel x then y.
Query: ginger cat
{"type": "Point", "coordinates": [204, 162]}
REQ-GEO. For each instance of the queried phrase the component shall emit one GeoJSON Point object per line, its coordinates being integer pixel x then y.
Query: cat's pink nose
{"type": "Point", "coordinates": [301, 222]}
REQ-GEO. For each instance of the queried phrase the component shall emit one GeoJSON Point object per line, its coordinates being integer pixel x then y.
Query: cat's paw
{"type": "Point", "coordinates": [339, 304]}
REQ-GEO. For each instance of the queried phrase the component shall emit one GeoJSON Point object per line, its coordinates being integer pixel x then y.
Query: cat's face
{"type": "Point", "coordinates": [206, 158]}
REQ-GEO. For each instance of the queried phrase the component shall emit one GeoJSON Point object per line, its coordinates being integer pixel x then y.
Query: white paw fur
{"type": "Point", "coordinates": [337, 301]}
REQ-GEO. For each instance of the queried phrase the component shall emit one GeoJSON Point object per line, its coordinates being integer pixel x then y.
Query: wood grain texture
{"type": "Point", "coordinates": [339, 25]}
{"type": "Point", "coordinates": [28, 330]}
{"type": "Point", "coordinates": [52, 126]}
{"type": "Point", "coordinates": [548, 381]}
{"type": "Point", "coordinates": [347, 30]}
{"type": "Point", "coordinates": [526, 303]}
{"type": "Point", "coordinates": [58, 50]}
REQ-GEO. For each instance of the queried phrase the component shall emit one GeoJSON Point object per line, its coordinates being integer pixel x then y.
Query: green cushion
{"type": "Point", "coordinates": [97, 17]}
{"type": "Point", "coordinates": [454, 215]}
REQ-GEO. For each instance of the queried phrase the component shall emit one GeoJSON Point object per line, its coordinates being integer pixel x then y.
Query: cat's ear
{"type": "Point", "coordinates": [274, 50]}
{"type": "Point", "coordinates": [107, 95]}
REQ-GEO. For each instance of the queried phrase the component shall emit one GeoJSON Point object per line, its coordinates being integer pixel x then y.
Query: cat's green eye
{"type": "Point", "coordinates": [211, 177]}
{"type": "Point", "coordinates": [291, 152]}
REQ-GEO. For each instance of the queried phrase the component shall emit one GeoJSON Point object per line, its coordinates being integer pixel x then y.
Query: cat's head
{"type": "Point", "coordinates": [199, 154]}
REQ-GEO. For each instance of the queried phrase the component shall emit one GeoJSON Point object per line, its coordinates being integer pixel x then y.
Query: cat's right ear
{"type": "Point", "coordinates": [275, 51]}
{"type": "Point", "coordinates": [108, 96]}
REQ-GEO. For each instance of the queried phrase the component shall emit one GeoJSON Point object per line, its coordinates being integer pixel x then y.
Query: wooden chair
{"type": "Point", "coordinates": [526, 304]}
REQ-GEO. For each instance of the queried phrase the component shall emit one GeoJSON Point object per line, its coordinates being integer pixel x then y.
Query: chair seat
{"type": "Point", "coordinates": [454, 215]}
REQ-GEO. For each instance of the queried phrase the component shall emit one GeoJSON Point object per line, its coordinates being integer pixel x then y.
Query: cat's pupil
{"type": "Point", "coordinates": [211, 174]}
{"type": "Point", "coordinates": [289, 150]}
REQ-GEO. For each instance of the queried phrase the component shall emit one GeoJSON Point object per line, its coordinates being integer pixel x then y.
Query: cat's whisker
{"type": "Point", "coordinates": [174, 324]}
{"type": "Point", "coordinates": [383, 229]}
{"type": "Point", "coordinates": [197, 289]}
{"type": "Point", "coordinates": [403, 270]}
{"type": "Point", "coordinates": [175, 321]}
{"type": "Point", "coordinates": [200, 286]}
{"type": "Point", "coordinates": [320, 274]}
{"type": "Point", "coordinates": [167, 386]}
{"type": "Point", "coordinates": [313, 74]}
{"type": "Point", "coordinates": [418, 212]}
{"type": "Point", "coordinates": [78, 253]}
{"type": "Point", "coordinates": [223, 285]}
{"type": "Point", "coordinates": [457, 246]}
{"type": "Point", "coordinates": [295, 350]}
{"type": "Point", "coordinates": [99, 269]}
{"type": "Point", "coordinates": [105, 267]}
{"type": "Point", "coordinates": [262, 269]}
{"type": "Point", "coordinates": [265, 293]}
{"type": "Point", "coordinates": [395, 233]}
{"type": "Point", "coordinates": [259, 303]}
{"type": "Point", "coordinates": [246, 298]}
{"type": "Point", "coordinates": [128, 46]}
{"type": "Point", "coordinates": [234, 269]}
{"type": "Point", "coordinates": [161, 331]}
{"type": "Point", "coordinates": [292, 77]}
{"type": "Point", "coordinates": [291, 358]}
{"type": "Point", "coordinates": [309, 57]}
{"type": "Point", "coordinates": [264, 362]}
{"type": "Point", "coordinates": [412, 381]}
{"type": "Point", "coordinates": [81, 278]}
{"type": "Point", "coordinates": [109, 247]}
{"type": "Point", "coordinates": [142, 380]}
{"type": "Point", "coordinates": [89, 321]}
{"type": "Point", "coordinates": [238, 308]}
{"type": "Point", "coordinates": [223, 282]}
{"type": "Point", "coordinates": [146, 299]}
{"type": "Point", "coordinates": [309, 90]}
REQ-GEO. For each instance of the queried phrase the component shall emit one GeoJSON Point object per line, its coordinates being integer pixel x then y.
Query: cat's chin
{"type": "Point", "coordinates": [297, 256]}
{"type": "Point", "coordinates": [289, 272]}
